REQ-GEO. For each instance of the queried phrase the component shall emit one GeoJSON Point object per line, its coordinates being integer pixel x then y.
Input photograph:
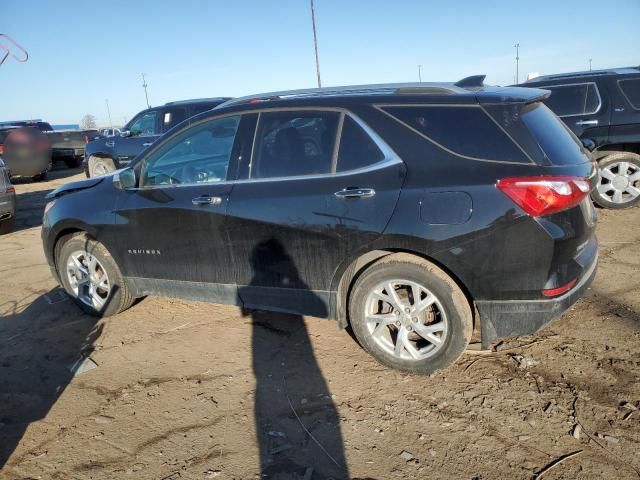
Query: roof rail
{"type": "Point", "coordinates": [424, 88]}
{"type": "Point", "coordinates": [196, 100]}
{"type": "Point", "coordinates": [587, 73]}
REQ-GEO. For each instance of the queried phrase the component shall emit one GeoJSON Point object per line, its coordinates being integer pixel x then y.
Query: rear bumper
{"type": "Point", "coordinates": [67, 152]}
{"type": "Point", "coordinates": [512, 318]}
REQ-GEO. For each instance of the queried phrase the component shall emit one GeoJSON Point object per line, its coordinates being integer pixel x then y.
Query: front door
{"type": "Point", "coordinates": [172, 228]}
{"type": "Point", "coordinates": [142, 133]}
{"type": "Point", "coordinates": [306, 206]}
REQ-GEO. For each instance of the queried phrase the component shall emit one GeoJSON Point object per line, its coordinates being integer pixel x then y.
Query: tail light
{"type": "Point", "coordinates": [540, 196]}
{"type": "Point", "coordinates": [11, 189]}
{"type": "Point", "coordinates": [554, 292]}
{"type": "Point", "coordinates": [1, 149]}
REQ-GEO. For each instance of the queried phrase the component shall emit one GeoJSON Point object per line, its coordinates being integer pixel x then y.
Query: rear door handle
{"type": "Point", "coordinates": [587, 122]}
{"type": "Point", "coordinates": [110, 143]}
{"type": "Point", "coordinates": [206, 200]}
{"type": "Point", "coordinates": [147, 144]}
{"type": "Point", "coordinates": [355, 193]}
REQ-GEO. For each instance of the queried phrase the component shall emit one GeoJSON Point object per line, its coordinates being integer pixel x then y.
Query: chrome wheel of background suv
{"type": "Point", "coordinates": [406, 319]}
{"type": "Point", "coordinates": [619, 181]}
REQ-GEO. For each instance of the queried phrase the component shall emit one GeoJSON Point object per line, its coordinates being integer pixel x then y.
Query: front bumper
{"type": "Point", "coordinates": [512, 318]}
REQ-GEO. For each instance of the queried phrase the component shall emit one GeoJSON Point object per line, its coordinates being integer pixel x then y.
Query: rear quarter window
{"type": "Point", "coordinates": [560, 146]}
{"type": "Point", "coordinates": [631, 90]}
{"type": "Point", "coordinates": [466, 131]}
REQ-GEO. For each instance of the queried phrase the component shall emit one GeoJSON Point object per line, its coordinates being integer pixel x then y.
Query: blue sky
{"type": "Point", "coordinates": [83, 52]}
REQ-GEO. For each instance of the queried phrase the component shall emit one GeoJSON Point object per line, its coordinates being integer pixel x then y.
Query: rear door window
{"type": "Point", "coordinates": [293, 143]}
{"type": "Point", "coordinates": [172, 117]}
{"type": "Point", "coordinates": [631, 90]}
{"type": "Point", "coordinates": [466, 131]}
{"type": "Point", "coordinates": [577, 99]}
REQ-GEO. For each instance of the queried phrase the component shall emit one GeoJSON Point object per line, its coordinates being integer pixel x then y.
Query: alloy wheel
{"type": "Point", "coordinates": [406, 320]}
{"type": "Point", "coordinates": [619, 182]}
{"type": "Point", "coordinates": [88, 279]}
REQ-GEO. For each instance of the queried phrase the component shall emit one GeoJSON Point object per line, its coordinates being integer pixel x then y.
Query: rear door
{"type": "Point", "coordinates": [319, 186]}
{"type": "Point", "coordinates": [143, 131]}
{"type": "Point", "coordinates": [582, 106]}
{"type": "Point", "coordinates": [625, 125]}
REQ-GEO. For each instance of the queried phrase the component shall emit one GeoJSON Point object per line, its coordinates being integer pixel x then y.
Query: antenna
{"type": "Point", "coordinates": [315, 42]}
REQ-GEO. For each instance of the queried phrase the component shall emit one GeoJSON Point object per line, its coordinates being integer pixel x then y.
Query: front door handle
{"type": "Point", "coordinates": [206, 200]}
{"type": "Point", "coordinates": [147, 144]}
{"type": "Point", "coordinates": [110, 143]}
{"type": "Point", "coordinates": [355, 193]}
{"type": "Point", "coordinates": [587, 122]}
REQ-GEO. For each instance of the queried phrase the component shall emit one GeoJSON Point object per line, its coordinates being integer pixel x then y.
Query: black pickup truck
{"type": "Point", "coordinates": [602, 107]}
{"type": "Point", "coordinates": [107, 154]}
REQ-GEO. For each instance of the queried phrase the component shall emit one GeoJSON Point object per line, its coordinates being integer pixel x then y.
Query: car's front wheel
{"type": "Point", "coordinates": [410, 315]}
{"type": "Point", "coordinates": [99, 166]}
{"type": "Point", "coordinates": [618, 181]}
{"type": "Point", "coordinates": [91, 276]}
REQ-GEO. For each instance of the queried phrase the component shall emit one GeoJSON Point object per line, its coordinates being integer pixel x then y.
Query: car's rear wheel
{"type": "Point", "coordinates": [618, 181]}
{"type": "Point", "coordinates": [7, 225]}
{"type": "Point", "coordinates": [99, 166]}
{"type": "Point", "coordinates": [73, 162]}
{"type": "Point", "coordinates": [410, 315]}
{"type": "Point", "coordinates": [91, 277]}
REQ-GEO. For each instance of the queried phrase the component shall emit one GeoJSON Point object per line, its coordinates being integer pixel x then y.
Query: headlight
{"type": "Point", "coordinates": [49, 205]}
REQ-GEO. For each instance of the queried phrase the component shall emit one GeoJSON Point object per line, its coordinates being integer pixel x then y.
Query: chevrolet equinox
{"type": "Point", "coordinates": [416, 214]}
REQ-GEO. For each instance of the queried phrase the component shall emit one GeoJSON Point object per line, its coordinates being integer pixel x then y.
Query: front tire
{"type": "Point", "coordinates": [410, 315]}
{"type": "Point", "coordinates": [99, 166]}
{"type": "Point", "coordinates": [91, 277]}
{"type": "Point", "coordinates": [618, 181]}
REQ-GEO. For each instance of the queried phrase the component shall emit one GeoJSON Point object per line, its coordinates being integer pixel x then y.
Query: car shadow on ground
{"type": "Point", "coordinates": [42, 341]}
{"type": "Point", "coordinates": [297, 423]}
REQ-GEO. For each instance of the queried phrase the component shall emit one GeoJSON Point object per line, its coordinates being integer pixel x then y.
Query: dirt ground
{"type": "Point", "coordinates": [186, 390]}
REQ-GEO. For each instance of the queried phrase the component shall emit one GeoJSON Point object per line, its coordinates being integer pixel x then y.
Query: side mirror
{"type": "Point", "coordinates": [125, 133]}
{"type": "Point", "coordinates": [124, 179]}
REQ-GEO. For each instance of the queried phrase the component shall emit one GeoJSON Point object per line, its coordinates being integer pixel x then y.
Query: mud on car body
{"type": "Point", "coordinates": [415, 213]}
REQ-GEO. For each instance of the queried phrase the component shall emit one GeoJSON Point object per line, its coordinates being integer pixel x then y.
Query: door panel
{"type": "Point", "coordinates": [290, 235]}
{"type": "Point", "coordinates": [173, 228]}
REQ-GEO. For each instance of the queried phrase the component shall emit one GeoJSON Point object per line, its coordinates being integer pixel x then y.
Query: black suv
{"type": "Point", "coordinates": [603, 107]}
{"type": "Point", "coordinates": [107, 154]}
{"type": "Point", "coordinates": [400, 210]}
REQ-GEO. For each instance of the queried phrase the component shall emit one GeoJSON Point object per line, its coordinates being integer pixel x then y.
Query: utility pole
{"type": "Point", "coordinates": [590, 63]}
{"type": "Point", "coordinates": [315, 42]}
{"type": "Point", "coordinates": [517, 46]}
{"type": "Point", "coordinates": [144, 85]}
{"type": "Point", "coordinates": [420, 73]}
{"type": "Point", "coordinates": [109, 112]}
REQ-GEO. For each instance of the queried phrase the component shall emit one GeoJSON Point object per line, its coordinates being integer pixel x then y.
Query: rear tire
{"type": "Point", "coordinates": [618, 181]}
{"type": "Point", "coordinates": [74, 162]}
{"type": "Point", "coordinates": [7, 226]}
{"type": "Point", "coordinates": [90, 275]}
{"type": "Point", "coordinates": [99, 166]}
{"type": "Point", "coordinates": [424, 325]}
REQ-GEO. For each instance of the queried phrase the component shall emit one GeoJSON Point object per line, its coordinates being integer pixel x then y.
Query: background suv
{"type": "Point", "coordinates": [603, 107]}
{"type": "Point", "coordinates": [396, 209]}
{"type": "Point", "coordinates": [110, 153]}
